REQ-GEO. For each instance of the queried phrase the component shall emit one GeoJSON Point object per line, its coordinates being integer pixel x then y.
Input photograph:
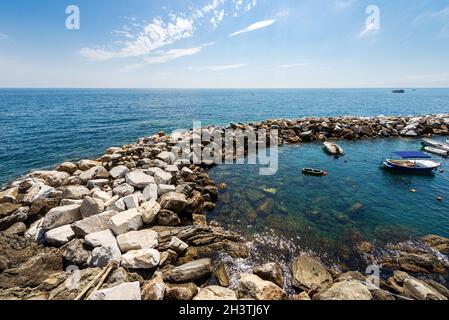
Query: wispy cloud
{"type": "Point", "coordinates": [441, 16]}
{"type": "Point", "coordinates": [140, 40]}
{"type": "Point", "coordinates": [3, 36]}
{"type": "Point", "coordinates": [293, 65]}
{"type": "Point", "coordinates": [343, 4]}
{"type": "Point", "coordinates": [220, 67]}
{"type": "Point", "coordinates": [254, 26]}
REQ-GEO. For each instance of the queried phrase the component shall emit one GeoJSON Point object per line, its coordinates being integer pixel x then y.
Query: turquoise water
{"type": "Point", "coordinates": [357, 200]}
{"type": "Point", "coordinates": [41, 128]}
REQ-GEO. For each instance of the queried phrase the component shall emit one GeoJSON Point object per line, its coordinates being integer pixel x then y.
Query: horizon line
{"type": "Point", "coordinates": [218, 88]}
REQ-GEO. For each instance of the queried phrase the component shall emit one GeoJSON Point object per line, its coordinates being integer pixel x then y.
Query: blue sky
{"type": "Point", "coordinates": [225, 44]}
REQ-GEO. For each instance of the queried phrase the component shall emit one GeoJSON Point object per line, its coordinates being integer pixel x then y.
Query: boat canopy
{"type": "Point", "coordinates": [412, 154]}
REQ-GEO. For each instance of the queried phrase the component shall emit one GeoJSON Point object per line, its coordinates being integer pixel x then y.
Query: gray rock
{"type": "Point", "coordinates": [60, 216]}
{"type": "Point", "coordinates": [59, 236]}
{"type": "Point", "coordinates": [123, 190]}
{"type": "Point", "coordinates": [68, 202]}
{"type": "Point", "coordinates": [150, 192]}
{"type": "Point", "coordinates": [90, 207]}
{"type": "Point", "coordinates": [165, 188]}
{"type": "Point", "coordinates": [126, 221]}
{"type": "Point", "coordinates": [74, 252]}
{"type": "Point", "coordinates": [177, 245]}
{"type": "Point", "coordinates": [92, 173]}
{"type": "Point", "coordinates": [135, 240]}
{"type": "Point", "coordinates": [75, 192]}
{"type": "Point", "coordinates": [101, 195]}
{"type": "Point", "coordinates": [141, 259]}
{"type": "Point", "coordinates": [93, 224]}
{"type": "Point", "coordinates": [103, 238]}
{"type": "Point", "coordinates": [102, 256]}
{"type": "Point", "coordinates": [36, 232]}
{"type": "Point", "coordinates": [162, 177]}
{"type": "Point", "coordinates": [173, 201]}
{"type": "Point", "coordinates": [118, 205]}
{"type": "Point", "coordinates": [191, 271]}
{"type": "Point", "coordinates": [138, 179]}
{"type": "Point", "coordinates": [167, 157]}
{"type": "Point", "coordinates": [124, 291]}
{"type": "Point", "coordinates": [118, 172]}
{"type": "Point", "coordinates": [97, 183]}
{"type": "Point", "coordinates": [131, 201]}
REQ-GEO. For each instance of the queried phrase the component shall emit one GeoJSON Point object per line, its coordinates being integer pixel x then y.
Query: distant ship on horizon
{"type": "Point", "coordinates": [399, 91]}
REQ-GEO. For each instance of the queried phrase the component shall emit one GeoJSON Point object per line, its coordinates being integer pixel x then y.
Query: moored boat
{"type": "Point", "coordinates": [440, 152]}
{"type": "Point", "coordinates": [412, 161]}
{"type": "Point", "coordinates": [333, 148]}
{"type": "Point", "coordinates": [313, 172]}
{"type": "Point", "coordinates": [398, 91]}
{"type": "Point", "coordinates": [435, 144]}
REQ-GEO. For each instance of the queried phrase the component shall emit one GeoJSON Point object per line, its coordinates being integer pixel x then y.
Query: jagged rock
{"type": "Point", "coordinates": [35, 231]}
{"type": "Point", "coordinates": [167, 218]}
{"type": "Point", "coordinates": [191, 271]}
{"type": "Point", "coordinates": [75, 192]}
{"type": "Point", "coordinates": [184, 291]}
{"type": "Point", "coordinates": [177, 245]}
{"type": "Point", "coordinates": [68, 167]}
{"type": "Point", "coordinates": [38, 191]}
{"type": "Point", "coordinates": [126, 221]}
{"type": "Point", "coordinates": [345, 290]}
{"type": "Point", "coordinates": [125, 291]}
{"type": "Point", "coordinates": [215, 293]}
{"type": "Point", "coordinates": [118, 205]}
{"type": "Point", "coordinates": [165, 188]}
{"type": "Point", "coordinates": [162, 177]}
{"type": "Point", "coordinates": [173, 201]}
{"type": "Point", "coordinates": [131, 201]}
{"type": "Point", "coordinates": [135, 240]}
{"type": "Point", "coordinates": [438, 243]}
{"type": "Point", "coordinates": [222, 275]}
{"type": "Point", "coordinates": [97, 183]}
{"type": "Point", "coordinates": [59, 236]}
{"type": "Point", "coordinates": [42, 206]}
{"type": "Point", "coordinates": [60, 216]}
{"type": "Point", "coordinates": [74, 252]}
{"type": "Point", "coordinates": [118, 172]}
{"type": "Point", "coordinates": [309, 274]}
{"type": "Point", "coordinates": [141, 259]}
{"type": "Point", "coordinates": [251, 286]}
{"type": "Point", "coordinates": [92, 173]}
{"type": "Point", "coordinates": [149, 211]}
{"type": "Point", "coordinates": [101, 256]}
{"type": "Point", "coordinates": [270, 272]}
{"type": "Point", "coordinates": [150, 192]}
{"type": "Point", "coordinates": [166, 156]}
{"type": "Point", "coordinates": [101, 195]}
{"type": "Point", "coordinates": [168, 257]}
{"type": "Point", "coordinates": [90, 207]}
{"type": "Point", "coordinates": [415, 262]}
{"type": "Point", "coordinates": [138, 179]}
{"type": "Point", "coordinates": [123, 190]}
{"type": "Point", "coordinates": [154, 289]}
{"type": "Point", "coordinates": [93, 224]}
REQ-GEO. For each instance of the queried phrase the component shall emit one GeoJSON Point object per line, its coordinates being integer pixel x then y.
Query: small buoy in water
{"type": "Point", "coordinates": [324, 173]}
{"type": "Point", "coordinates": [413, 190]}
{"type": "Point", "coordinates": [440, 198]}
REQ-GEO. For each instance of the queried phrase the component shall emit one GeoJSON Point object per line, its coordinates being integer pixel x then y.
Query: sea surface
{"type": "Point", "coordinates": [356, 201]}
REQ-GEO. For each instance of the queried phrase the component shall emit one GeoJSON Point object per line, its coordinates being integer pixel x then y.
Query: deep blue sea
{"type": "Point", "coordinates": [41, 128]}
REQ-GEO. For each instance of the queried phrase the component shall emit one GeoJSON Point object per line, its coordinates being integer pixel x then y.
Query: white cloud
{"type": "Point", "coordinates": [254, 26]}
{"type": "Point", "coordinates": [217, 18]}
{"type": "Point", "coordinates": [220, 67]}
{"type": "Point", "coordinates": [440, 16]}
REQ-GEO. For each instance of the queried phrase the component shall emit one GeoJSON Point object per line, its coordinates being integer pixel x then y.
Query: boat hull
{"type": "Point", "coordinates": [399, 165]}
{"type": "Point", "coordinates": [435, 144]}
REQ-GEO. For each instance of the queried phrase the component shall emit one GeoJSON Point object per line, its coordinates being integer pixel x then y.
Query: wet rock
{"type": "Point", "coordinates": [90, 207]}
{"type": "Point", "coordinates": [118, 172]}
{"type": "Point", "coordinates": [138, 179]}
{"type": "Point", "coordinates": [173, 201]}
{"type": "Point", "coordinates": [167, 218]}
{"type": "Point", "coordinates": [154, 289]}
{"type": "Point", "coordinates": [149, 211]}
{"type": "Point", "coordinates": [93, 224]}
{"type": "Point", "coordinates": [251, 286]}
{"type": "Point", "coordinates": [125, 291]}
{"type": "Point", "coordinates": [270, 272]}
{"type": "Point", "coordinates": [74, 253]}
{"type": "Point", "coordinates": [75, 192]}
{"type": "Point", "coordinates": [60, 216]}
{"type": "Point", "coordinates": [135, 240]}
{"type": "Point", "coordinates": [215, 293]}
{"type": "Point", "coordinates": [309, 274]}
{"type": "Point", "coordinates": [365, 247]}
{"type": "Point", "coordinates": [199, 220]}
{"type": "Point", "coordinates": [141, 259]}
{"type": "Point", "coordinates": [345, 290]}
{"type": "Point", "coordinates": [68, 167]}
{"type": "Point", "coordinates": [59, 236]}
{"type": "Point", "coordinates": [177, 245]}
{"type": "Point", "coordinates": [191, 271]}
{"type": "Point", "coordinates": [125, 221]}
{"type": "Point", "coordinates": [185, 291]}
{"type": "Point", "coordinates": [356, 207]}
{"type": "Point", "coordinates": [222, 275]}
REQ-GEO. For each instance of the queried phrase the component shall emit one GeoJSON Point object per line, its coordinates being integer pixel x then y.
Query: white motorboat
{"type": "Point", "coordinates": [334, 148]}
{"type": "Point", "coordinates": [435, 144]}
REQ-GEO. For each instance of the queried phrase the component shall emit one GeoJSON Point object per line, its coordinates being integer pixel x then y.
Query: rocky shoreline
{"type": "Point", "coordinates": [137, 217]}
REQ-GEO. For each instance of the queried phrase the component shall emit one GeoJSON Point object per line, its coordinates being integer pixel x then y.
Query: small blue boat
{"type": "Point", "coordinates": [412, 161]}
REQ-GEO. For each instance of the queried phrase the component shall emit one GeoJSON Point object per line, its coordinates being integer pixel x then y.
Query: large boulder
{"type": "Point", "coordinates": [162, 177]}
{"type": "Point", "coordinates": [271, 272]}
{"type": "Point", "coordinates": [118, 172]}
{"type": "Point", "coordinates": [124, 291]}
{"type": "Point", "coordinates": [103, 238]}
{"type": "Point", "coordinates": [9, 195]}
{"type": "Point", "coordinates": [138, 179]}
{"type": "Point", "coordinates": [126, 221]}
{"type": "Point", "coordinates": [251, 286]}
{"type": "Point", "coordinates": [194, 270]}
{"type": "Point", "coordinates": [215, 293]}
{"type": "Point", "coordinates": [68, 167]}
{"type": "Point", "coordinates": [438, 243]}
{"type": "Point", "coordinates": [92, 173]}
{"type": "Point", "coordinates": [75, 192]}
{"type": "Point", "coordinates": [345, 290]}
{"type": "Point", "coordinates": [59, 236]}
{"type": "Point", "coordinates": [309, 274]}
{"type": "Point", "coordinates": [141, 259]}
{"type": "Point", "coordinates": [60, 216]}
{"type": "Point", "coordinates": [93, 224]}
{"type": "Point", "coordinates": [135, 240]}
{"type": "Point", "coordinates": [90, 207]}
{"type": "Point", "coordinates": [87, 164]}
{"type": "Point", "coordinates": [173, 201]}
